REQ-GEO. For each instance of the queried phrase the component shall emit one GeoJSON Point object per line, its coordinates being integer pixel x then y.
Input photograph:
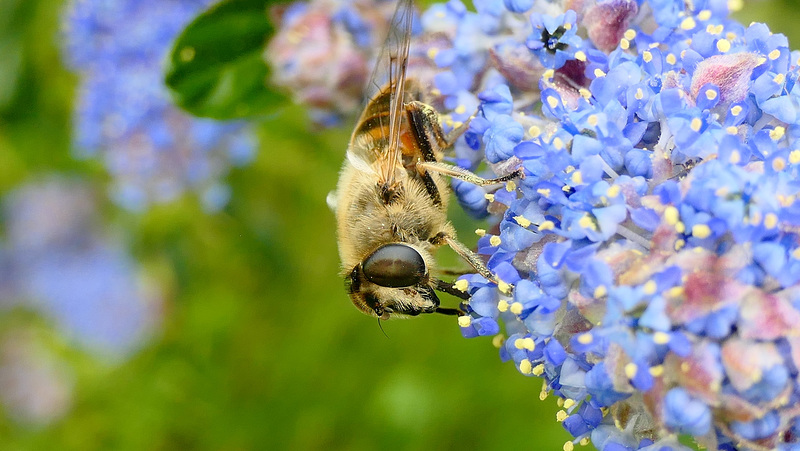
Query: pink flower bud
{"type": "Point", "coordinates": [730, 73]}
{"type": "Point", "coordinates": [521, 68]}
{"type": "Point", "coordinates": [606, 22]}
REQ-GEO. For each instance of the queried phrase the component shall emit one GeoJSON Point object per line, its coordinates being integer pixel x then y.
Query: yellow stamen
{"type": "Point", "coordinates": [522, 221]}
{"type": "Point", "coordinates": [630, 370]}
{"type": "Point", "coordinates": [650, 287]}
{"type": "Point", "coordinates": [673, 292]}
{"type": "Point", "coordinates": [600, 291]}
{"type": "Point", "coordinates": [770, 220]}
{"type": "Point", "coordinates": [587, 223]}
{"type": "Point", "coordinates": [461, 285]}
{"type": "Point", "coordinates": [671, 215]}
{"type": "Point", "coordinates": [701, 231]}
{"type": "Point", "coordinates": [660, 338]}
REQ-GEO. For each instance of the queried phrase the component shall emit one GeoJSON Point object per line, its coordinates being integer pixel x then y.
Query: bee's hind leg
{"type": "Point", "coordinates": [433, 141]}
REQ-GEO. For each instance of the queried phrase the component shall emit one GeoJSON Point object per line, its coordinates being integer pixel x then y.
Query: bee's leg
{"type": "Point", "coordinates": [424, 122]}
{"type": "Point", "coordinates": [434, 129]}
{"type": "Point", "coordinates": [464, 252]}
{"type": "Point", "coordinates": [449, 311]}
{"type": "Point", "coordinates": [457, 131]}
{"type": "Point", "coordinates": [425, 126]}
{"type": "Point", "coordinates": [465, 175]}
{"type": "Point", "coordinates": [447, 287]}
{"type": "Point", "coordinates": [472, 258]}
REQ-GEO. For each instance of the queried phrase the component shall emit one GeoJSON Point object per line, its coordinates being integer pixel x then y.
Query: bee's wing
{"type": "Point", "coordinates": [385, 92]}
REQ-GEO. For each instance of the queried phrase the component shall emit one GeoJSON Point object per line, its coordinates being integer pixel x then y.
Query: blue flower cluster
{"type": "Point", "coordinates": [649, 260]}
{"type": "Point", "coordinates": [60, 263]}
{"type": "Point", "coordinates": [650, 257]}
{"type": "Point", "coordinates": [154, 151]}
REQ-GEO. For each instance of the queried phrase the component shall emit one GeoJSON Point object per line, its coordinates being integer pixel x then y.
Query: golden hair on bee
{"type": "Point", "coordinates": [391, 199]}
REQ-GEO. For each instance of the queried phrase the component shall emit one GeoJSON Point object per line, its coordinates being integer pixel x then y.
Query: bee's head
{"type": "Point", "coordinates": [392, 281]}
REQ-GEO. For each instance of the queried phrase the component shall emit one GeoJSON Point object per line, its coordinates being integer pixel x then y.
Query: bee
{"type": "Point", "coordinates": [391, 199]}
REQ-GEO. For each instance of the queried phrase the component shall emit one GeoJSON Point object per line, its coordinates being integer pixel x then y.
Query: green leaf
{"type": "Point", "coordinates": [216, 68]}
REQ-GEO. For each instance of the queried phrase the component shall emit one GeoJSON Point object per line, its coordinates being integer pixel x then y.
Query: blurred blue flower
{"type": "Point", "coordinates": [124, 116]}
{"type": "Point", "coordinates": [66, 267]}
{"type": "Point", "coordinates": [686, 415]}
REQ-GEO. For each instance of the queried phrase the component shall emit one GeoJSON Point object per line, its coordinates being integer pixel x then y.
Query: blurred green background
{"type": "Point", "coordinates": [260, 347]}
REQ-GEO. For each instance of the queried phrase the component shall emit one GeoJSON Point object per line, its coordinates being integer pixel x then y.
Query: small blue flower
{"type": "Point", "coordinates": [554, 39]}
{"type": "Point", "coordinates": [601, 387]}
{"type": "Point", "coordinates": [501, 137]}
{"type": "Point", "coordinates": [685, 414]}
{"type": "Point", "coordinates": [518, 6]}
{"type": "Point", "coordinates": [757, 429]}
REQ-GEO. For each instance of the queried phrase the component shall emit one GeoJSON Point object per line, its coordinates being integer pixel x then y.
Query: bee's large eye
{"type": "Point", "coordinates": [394, 265]}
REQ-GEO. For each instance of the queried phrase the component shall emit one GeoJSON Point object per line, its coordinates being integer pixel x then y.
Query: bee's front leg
{"type": "Point", "coordinates": [447, 287]}
{"type": "Point", "coordinates": [467, 176]}
{"type": "Point", "coordinates": [449, 311]}
{"type": "Point", "coordinates": [470, 257]}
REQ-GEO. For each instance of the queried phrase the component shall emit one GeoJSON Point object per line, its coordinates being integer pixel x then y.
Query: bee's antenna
{"type": "Point", "coordinates": [381, 327]}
